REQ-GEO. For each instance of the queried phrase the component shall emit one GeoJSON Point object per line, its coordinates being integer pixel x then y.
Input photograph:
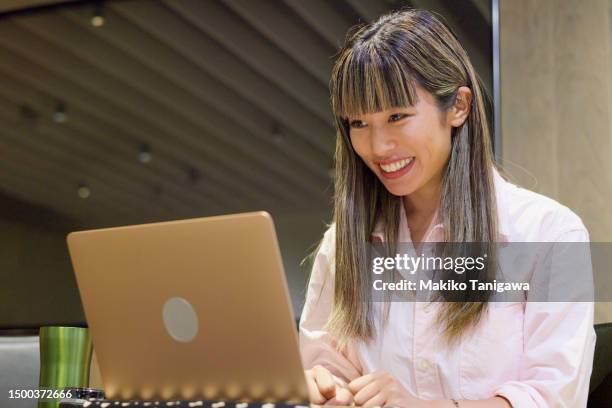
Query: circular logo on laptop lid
{"type": "Point", "coordinates": [180, 319]}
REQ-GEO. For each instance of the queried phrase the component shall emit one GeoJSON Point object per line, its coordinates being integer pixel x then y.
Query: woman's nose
{"type": "Point", "coordinates": [382, 142]}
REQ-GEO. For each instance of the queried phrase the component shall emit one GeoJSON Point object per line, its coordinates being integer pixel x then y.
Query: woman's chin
{"type": "Point", "coordinates": [399, 190]}
{"type": "Point", "coordinates": [401, 186]}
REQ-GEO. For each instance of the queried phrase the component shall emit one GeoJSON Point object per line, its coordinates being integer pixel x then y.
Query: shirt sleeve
{"type": "Point", "coordinates": [559, 344]}
{"type": "Point", "coordinates": [317, 346]}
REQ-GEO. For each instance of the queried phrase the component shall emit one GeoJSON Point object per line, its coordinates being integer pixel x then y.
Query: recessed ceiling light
{"type": "Point", "coordinates": [144, 155]}
{"type": "Point", "coordinates": [97, 19]}
{"type": "Point", "coordinates": [83, 191]}
{"type": "Point", "coordinates": [60, 115]}
{"type": "Point", "coordinates": [277, 134]}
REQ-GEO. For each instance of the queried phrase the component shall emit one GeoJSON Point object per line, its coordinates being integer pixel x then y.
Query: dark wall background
{"type": "Point", "coordinates": [229, 96]}
{"type": "Point", "coordinates": [36, 282]}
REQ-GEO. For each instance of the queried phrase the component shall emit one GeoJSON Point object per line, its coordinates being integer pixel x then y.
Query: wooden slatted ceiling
{"type": "Point", "coordinates": [231, 96]}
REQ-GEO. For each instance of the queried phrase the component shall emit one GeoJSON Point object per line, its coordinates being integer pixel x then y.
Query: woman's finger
{"type": "Point", "coordinates": [377, 401]}
{"type": "Point", "coordinates": [343, 397]}
{"type": "Point", "coordinates": [339, 381]}
{"type": "Point", "coordinates": [367, 393]}
{"type": "Point", "coordinates": [357, 384]}
{"type": "Point", "coordinates": [313, 391]}
{"type": "Point", "coordinates": [325, 382]}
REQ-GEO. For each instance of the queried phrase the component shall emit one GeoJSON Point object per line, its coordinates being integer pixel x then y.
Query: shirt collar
{"type": "Point", "coordinates": [437, 227]}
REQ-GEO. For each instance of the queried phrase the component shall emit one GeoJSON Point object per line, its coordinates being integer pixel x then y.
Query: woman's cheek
{"type": "Point", "coordinates": [437, 151]}
{"type": "Point", "coordinates": [355, 142]}
{"type": "Point", "coordinates": [360, 147]}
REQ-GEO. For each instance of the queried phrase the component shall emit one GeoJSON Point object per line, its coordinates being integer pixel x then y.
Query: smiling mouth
{"type": "Point", "coordinates": [396, 165]}
{"type": "Point", "coordinates": [396, 169]}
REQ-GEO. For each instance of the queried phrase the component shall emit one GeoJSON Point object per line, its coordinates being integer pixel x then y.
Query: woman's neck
{"type": "Point", "coordinates": [424, 202]}
{"type": "Point", "coordinates": [421, 207]}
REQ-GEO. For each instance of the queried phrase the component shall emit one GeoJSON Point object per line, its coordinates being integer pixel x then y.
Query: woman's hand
{"type": "Point", "coordinates": [381, 389]}
{"type": "Point", "coordinates": [325, 389]}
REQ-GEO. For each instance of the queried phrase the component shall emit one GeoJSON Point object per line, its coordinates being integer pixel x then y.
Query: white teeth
{"type": "Point", "coordinates": [395, 166]}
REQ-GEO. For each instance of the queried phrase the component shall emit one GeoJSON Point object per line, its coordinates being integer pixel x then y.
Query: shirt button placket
{"type": "Point", "coordinates": [425, 371]}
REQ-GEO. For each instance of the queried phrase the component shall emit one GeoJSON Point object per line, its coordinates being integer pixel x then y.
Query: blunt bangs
{"type": "Point", "coordinates": [368, 79]}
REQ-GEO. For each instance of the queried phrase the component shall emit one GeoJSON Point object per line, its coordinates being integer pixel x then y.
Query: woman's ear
{"type": "Point", "coordinates": [459, 112]}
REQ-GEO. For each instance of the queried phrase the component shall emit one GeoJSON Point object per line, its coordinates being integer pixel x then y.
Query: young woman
{"type": "Point", "coordinates": [414, 164]}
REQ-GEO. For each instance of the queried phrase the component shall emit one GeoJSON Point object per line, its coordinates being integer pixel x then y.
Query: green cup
{"type": "Point", "coordinates": [65, 357]}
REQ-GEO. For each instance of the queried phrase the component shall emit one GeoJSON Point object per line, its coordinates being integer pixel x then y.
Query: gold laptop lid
{"type": "Point", "coordinates": [193, 309]}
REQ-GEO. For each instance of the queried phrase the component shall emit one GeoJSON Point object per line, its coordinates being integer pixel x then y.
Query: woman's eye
{"type": "Point", "coordinates": [397, 116]}
{"type": "Point", "coordinates": [357, 124]}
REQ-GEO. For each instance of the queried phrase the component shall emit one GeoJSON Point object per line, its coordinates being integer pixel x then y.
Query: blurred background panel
{"type": "Point", "coordinates": [134, 111]}
{"type": "Point", "coordinates": [556, 111]}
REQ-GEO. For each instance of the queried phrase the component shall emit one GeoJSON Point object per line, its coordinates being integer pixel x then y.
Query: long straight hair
{"type": "Point", "coordinates": [378, 68]}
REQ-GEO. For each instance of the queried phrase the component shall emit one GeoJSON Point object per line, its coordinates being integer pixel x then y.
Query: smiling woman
{"type": "Point", "coordinates": [404, 88]}
{"type": "Point", "coordinates": [414, 164]}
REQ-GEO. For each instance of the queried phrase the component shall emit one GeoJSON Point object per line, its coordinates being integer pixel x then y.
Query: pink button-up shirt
{"type": "Point", "coordinates": [533, 354]}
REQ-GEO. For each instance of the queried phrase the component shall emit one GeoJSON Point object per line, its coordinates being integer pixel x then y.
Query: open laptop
{"type": "Point", "coordinates": [193, 309]}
